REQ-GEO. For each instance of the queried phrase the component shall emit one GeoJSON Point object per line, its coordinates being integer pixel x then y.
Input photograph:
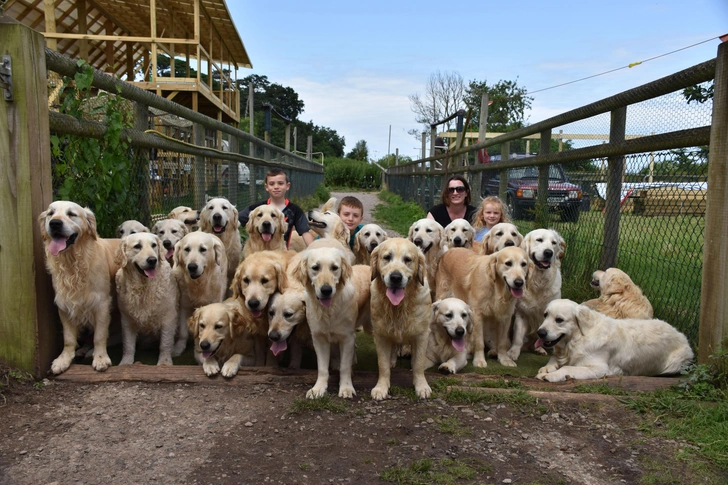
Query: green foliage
{"type": "Point", "coordinates": [397, 214]}
{"type": "Point", "coordinates": [508, 108]}
{"type": "Point", "coordinates": [429, 471]}
{"type": "Point", "coordinates": [683, 161]}
{"type": "Point", "coordinates": [700, 93]}
{"type": "Point", "coordinates": [317, 199]}
{"type": "Point", "coordinates": [325, 403]}
{"type": "Point", "coordinates": [351, 174]}
{"type": "Point", "coordinates": [359, 152]}
{"type": "Point", "coordinates": [97, 173]}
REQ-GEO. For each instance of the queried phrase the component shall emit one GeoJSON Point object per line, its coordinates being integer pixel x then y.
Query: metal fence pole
{"type": "Point", "coordinates": [614, 190]}
{"type": "Point", "coordinates": [714, 287]}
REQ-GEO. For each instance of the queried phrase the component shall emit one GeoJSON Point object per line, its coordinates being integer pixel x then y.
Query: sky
{"type": "Point", "coordinates": [355, 64]}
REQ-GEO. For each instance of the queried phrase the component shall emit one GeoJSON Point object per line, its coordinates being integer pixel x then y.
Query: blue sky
{"type": "Point", "coordinates": [354, 64]}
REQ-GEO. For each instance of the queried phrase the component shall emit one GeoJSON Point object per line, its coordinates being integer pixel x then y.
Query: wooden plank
{"type": "Point", "coordinates": [29, 336]}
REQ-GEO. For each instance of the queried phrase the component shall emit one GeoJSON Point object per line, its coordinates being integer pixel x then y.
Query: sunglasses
{"type": "Point", "coordinates": [458, 189]}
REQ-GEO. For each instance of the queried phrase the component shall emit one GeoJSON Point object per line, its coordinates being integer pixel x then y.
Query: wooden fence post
{"type": "Point", "coordinates": [141, 123]}
{"type": "Point", "coordinates": [615, 170]}
{"type": "Point", "coordinates": [477, 178]}
{"type": "Point", "coordinates": [503, 174]}
{"type": "Point", "coordinates": [233, 172]}
{"type": "Point", "coordinates": [200, 185]}
{"type": "Point", "coordinates": [29, 328]}
{"type": "Point", "coordinates": [714, 288]}
{"type": "Point", "coordinates": [542, 204]}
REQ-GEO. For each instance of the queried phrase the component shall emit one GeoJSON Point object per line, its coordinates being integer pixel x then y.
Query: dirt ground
{"type": "Point", "coordinates": [144, 425]}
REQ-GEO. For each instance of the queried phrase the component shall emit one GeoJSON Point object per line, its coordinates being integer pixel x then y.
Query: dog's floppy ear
{"type": "Point", "coordinates": [300, 272]}
{"type": "Point", "coordinates": [41, 223]}
{"type": "Point", "coordinates": [421, 273]}
{"type": "Point", "coordinates": [91, 219]}
{"type": "Point", "coordinates": [435, 307]}
{"type": "Point", "coordinates": [469, 327]}
{"type": "Point", "coordinates": [281, 277]}
{"type": "Point", "coordinates": [236, 286]}
{"type": "Point", "coordinates": [526, 243]}
{"type": "Point", "coordinates": [177, 257]}
{"type": "Point", "coordinates": [235, 316]}
{"type": "Point", "coordinates": [562, 245]}
{"type": "Point", "coordinates": [487, 249]}
{"type": "Point", "coordinates": [329, 205]}
{"type": "Point", "coordinates": [411, 231]}
{"type": "Point", "coordinates": [346, 270]}
{"type": "Point", "coordinates": [194, 324]}
{"type": "Point", "coordinates": [160, 249]}
{"type": "Point", "coordinates": [205, 222]}
{"type": "Point", "coordinates": [118, 230]}
{"type": "Point", "coordinates": [357, 243]}
{"type": "Point", "coordinates": [583, 317]}
{"type": "Point", "coordinates": [342, 233]}
{"type": "Point", "coordinates": [250, 225]}
{"type": "Point", "coordinates": [219, 251]}
{"type": "Point", "coordinates": [235, 221]}
{"type": "Point", "coordinates": [121, 253]}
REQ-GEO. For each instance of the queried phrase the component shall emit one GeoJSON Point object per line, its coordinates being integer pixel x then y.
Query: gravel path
{"type": "Point", "coordinates": [369, 200]}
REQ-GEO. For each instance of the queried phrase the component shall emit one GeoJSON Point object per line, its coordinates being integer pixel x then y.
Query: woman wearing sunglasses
{"type": "Point", "coordinates": [455, 202]}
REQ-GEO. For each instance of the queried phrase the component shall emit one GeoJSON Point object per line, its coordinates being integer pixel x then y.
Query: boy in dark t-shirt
{"type": "Point", "coordinates": [277, 184]}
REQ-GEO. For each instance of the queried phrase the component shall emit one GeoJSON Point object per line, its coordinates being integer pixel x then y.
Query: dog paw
{"type": "Point", "coordinates": [211, 369]}
{"type": "Point", "coordinates": [316, 392]}
{"type": "Point", "coordinates": [506, 361]}
{"type": "Point", "coordinates": [101, 363]}
{"type": "Point", "coordinates": [540, 351]}
{"type": "Point", "coordinates": [541, 376]}
{"type": "Point", "coordinates": [447, 367]}
{"type": "Point", "coordinates": [379, 393]}
{"type": "Point", "coordinates": [347, 392]}
{"type": "Point", "coordinates": [553, 377]}
{"type": "Point", "coordinates": [546, 369]}
{"type": "Point", "coordinates": [229, 370]}
{"type": "Point", "coordinates": [513, 354]}
{"type": "Point", "coordinates": [479, 363]}
{"type": "Point", "coordinates": [423, 392]}
{"type": "Point", "coordinates": [60, 365]}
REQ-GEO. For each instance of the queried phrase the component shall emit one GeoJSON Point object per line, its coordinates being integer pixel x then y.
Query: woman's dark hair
{"type": "Point", "coordinates": [445, 196]}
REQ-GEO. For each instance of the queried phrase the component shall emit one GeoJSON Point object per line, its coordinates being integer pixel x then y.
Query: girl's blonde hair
{"type": "Point", "coordinates": [479, 223]}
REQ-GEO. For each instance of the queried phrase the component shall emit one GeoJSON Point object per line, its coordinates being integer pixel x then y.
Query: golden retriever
{"type": "Point", "coordinates": [148, 295]}
{"type": "Point", "coordinates": [429, 236]}
{"type": "Point", "coordinates": [619, 296]}
{"type": "Point", "coordinates": [490, 284]}
{"type": "Point", "coordinates": [451, 333]}
{"type": "Point", "coordinates": [369, 237]}
{"type": "Point", "coordinates": [82, 267]}
{"type": "Point", "coordinates": [260, 275]}
{"type": "Point", "coordinates": [266, 227]}
{"type": "Point", "coordinates": [170, 231]}
{"type": "Point", "coordinates": [502, 235]}
{"type": "Point", "coordinates": [336, 300]}
{"type": "Point", "coordinates": [200, 268]}
{"type": "Point", "coordinates": [130, 227]}
{"type": "Point", "coordinates": [287, 321]}
{"type": "Point", "coordinates": [545, 248]}
{"type": "Point", "coordinates": [590, 345]}
{"type": "Point", "coordinates": [400, 310]}
{"type": "Point", "coordinates": [186, 215]}
{"type": "Point", "coordinates": [219, 330]}
{"type": "Point", "coordinates": [220, 217]}
{"type": "Point", "coordinates": [325, 222]}
{"type": "Point", "coordinates": [459, 234]}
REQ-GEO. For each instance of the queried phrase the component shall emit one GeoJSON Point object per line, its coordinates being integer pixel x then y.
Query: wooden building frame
{"type": "Point", "coordinates": [128, 38]}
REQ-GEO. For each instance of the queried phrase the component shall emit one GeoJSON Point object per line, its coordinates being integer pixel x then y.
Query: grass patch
{"type": "Point", "coordinates": [397, 214]}
{"type": "Point", "coordinates": [603, 388]}
{"type": "Point", "coordinates": [321, 195]}
{"type": "Point", "coordinates": [518, 398]}
{"type": "Point", "coordinates": [14, 378]}
{"type": "Point", "coordinates": [429, 471]}
{"type": "Point", "coordinates": [325, 403]}
{"type": "Point", "coordinates": [451, 425]}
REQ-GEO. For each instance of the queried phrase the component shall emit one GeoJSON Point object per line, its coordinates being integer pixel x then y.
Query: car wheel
{"type": "Point", "coordinates": [516, 212]}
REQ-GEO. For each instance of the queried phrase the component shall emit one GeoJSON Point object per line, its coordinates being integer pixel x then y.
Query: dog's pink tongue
{"type": "Point", "coordinates": [459, 344]}
{"type": "Point", "coordinates": [151, 273]}
{"type": "Point", "coordinates": [206, 355]}
{"type": "Point", "coordinates": [395, 295]}
{"type": "Point", "coordinates": [169, 254]}
{"type": "Point", "coordinates": [57, 245]}
{"type": "Point", "coordinates": [517, 292]}
{"type": "Point", "coordinates": [266, 237]}
{"type": "Point", "coordinates": [278, 347]}
{"type": "Point", "coordinates": [217, 228]}
{"type": "Point", "coordinates": [256, 313]}
{"type": "Point", "coordinates": [539, 343]}
{"type": "Point", "coordinates": [326, 301]}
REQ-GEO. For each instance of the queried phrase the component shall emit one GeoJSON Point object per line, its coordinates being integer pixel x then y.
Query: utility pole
{"type": "Point", "coordinates": [389, 142]}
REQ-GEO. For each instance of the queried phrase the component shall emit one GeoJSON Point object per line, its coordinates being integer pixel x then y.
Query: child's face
{"type": "Point", "coordinates": [277, 186]}
{"type": "Point", "coordinates": [351, 216]}
{"type": "Point", "coordinates": [491, 215]}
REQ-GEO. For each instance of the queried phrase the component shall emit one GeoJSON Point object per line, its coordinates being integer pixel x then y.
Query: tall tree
{"type": "Point", "coordinates": [444, 95]}
{"type": "Point", "coordinates": [508, 110]}
{"type": "Point", "coordinates": [359, 152]}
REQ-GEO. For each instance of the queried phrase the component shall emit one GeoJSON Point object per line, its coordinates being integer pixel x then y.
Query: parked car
{"type": "Point", "coordinates": [563, 196]}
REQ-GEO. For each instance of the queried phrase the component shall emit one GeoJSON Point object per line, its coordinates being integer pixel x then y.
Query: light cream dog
{"type": "Point", "coordinates": [220, 217]}
{"type": "Point", "coordinates": [400, 310]}
{"type": "Point", "coordinates": [429, 236]}
{"type": "Point", "coordinates": [266, 227]}
{"type": "Point", "coordinates": [459, 234]}
{"type": "Point", "coordinates": [170, 231]}
{"type": "Point", "coordinates": [619, 296]}
{"type": "Point", "coordinates": [369, 237]}
{"type": "Point", "coordinates": [545, 248]}
{"type": "Point", "coordinates": [590, 345]}
{"type": "Point", "coordinates": [221, 337]}
{"type": "Point", "coordinates": [325, 222]}
{"type": "Point", "coordinates": [451, 333]}
{"type": "Point", "coordinates": [130, 227]}
{"type": "Point", "coordinates": [148, 295]}
{"type": "Point", "coordinates": [200, 268]}
{"type": "Point", "coordinates": [332, 316]}
{"type": "Point", "coordinates": [490, 284]}
{"type": "Point", "coordinates": [186, 215]}
{"type": "Point", "coordinates": [82, 267]}
{"type": "Point", "coordinates": [287, 322]}
{"type": "Point", "coordinates": [502, 235]}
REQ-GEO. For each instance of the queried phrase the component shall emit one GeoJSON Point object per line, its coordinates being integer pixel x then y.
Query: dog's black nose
{"type": "Point", "coordinates": [326, 291]}
{"type": "Point", "coordinates": [417, 241]}
{"type": "Point", "coordinates": [542, 334]}
{"type": "Point", "coordinates": [217, 217]}
{"type": "Point", "coordinates": [253, 304]}
{"type": "Point", "coordinates": [548, 253]}
{"type": "Point", "coordinates": [152, 262]}
{"type": "Point", "coordinates": [510, 243]}
{"type": "Point", "coordinates": [373, 245]}
{"type": "Point", "coordinates": [192, 267]}
{"type": "Point", "coordinates": [55, 224]}
{"type": "Point", "coordinates": [266, 225]}
{"type": "Point", "coordinates": [460, 331]}
{"type": "Point", "coordinates": [168, 244]}
{"type": "Point", "coordinates": [518, 283]}
{"type": "Point", "coordinates": [274, 336]}
{"type": "Point", "coordinates": [458, 241]}
{"type": "Point", "coordinates": [205, 345]}
{"type": "Point", "coordinates": [395, 278]}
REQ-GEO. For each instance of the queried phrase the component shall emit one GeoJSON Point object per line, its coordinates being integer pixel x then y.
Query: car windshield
{"type": "Point", "coordinates": [532, 172]}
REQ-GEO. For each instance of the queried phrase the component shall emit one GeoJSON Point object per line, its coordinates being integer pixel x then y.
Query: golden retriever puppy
{"type": "Point", "coordinates": [330, 291]}
{"type": "Point", "coordinates": [400, 310]}
{"type": "Point", "coordinates": [187, 215]}
{"type": "Point", "coordinates": [590, 345]}
{"type": "Point", "coordinates": [148, 295]}
{"type": "Point", "coordinates": [369, 237]}
{"type": "Point", "coordinates": [287, 321]}
{"type": "Point", "coordinates": [326, 223]}
{"type": "Point", "coordinates": [490, 284]}
{"type": "Point", "coordinates": [429, 236]}
{"type": "Point", "coordinates": [220, 217]}
{"type": "Point", "coordinates": [200, 268]}
{"type": "Point", "coordinates": [266, 227]}
{"type": "Point", "coordinates": [219, 330]}
{"type": "Point", "coordinates": [169, 231]}
{"type": "Point", "coordinates": [130, 227]}
{"type": "Point", "coordinates": [619, 296]}
{"type": "Point", "coordinates": [82, 267]}
{"type": "Point", "coordinates": [451, 330]}
{"type": "Point", "coordinates": [545, 248]}
{"type": "Point", "coordinates": [459, 234]}
{"type": "Point", "coordinates": [502, 235]}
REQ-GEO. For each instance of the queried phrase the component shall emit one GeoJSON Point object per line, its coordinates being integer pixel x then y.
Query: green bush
{"type": "Point", "coordinates": [351, 174]}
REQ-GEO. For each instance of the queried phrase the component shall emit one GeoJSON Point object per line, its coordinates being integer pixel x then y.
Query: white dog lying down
{"type": "Point", "coordinates": [590, 345]}
{"type": "Point", "coordinates": [451, 332]}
